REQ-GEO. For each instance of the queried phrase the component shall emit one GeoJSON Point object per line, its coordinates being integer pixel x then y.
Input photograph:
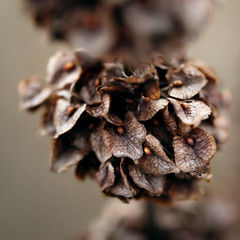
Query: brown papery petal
{"type": "Point", "coordinates": [121, 190]}
{"type": "Point", "coordinates": [170, 121]}
{"type": "Point", "coordinates": [194, 151]}
{"type": "Point", "coordinates": [154, 185]}
{"type": "Point", "coordinates": [146, 71]}
{"type": "Point", "coordinates": [64, 157]}
{"type": "Point", "coordinates": [84, 89]}
{"type": "Point", "coordinates": [103, 111]}
{"type": "Point", "coordinates": [151, 89]}
{"type": "Point", "coordinates": [32, 94]}
{"type": "Point", "coordinates": [205, 69]}
{"type": "Point", "coordinates": [157, 163]}
{"type": "Point", "coordinates": [147, 109]}
{"type": "Point", "coordinates": [65, 120]}
{"type": "Point", "coordinates": [124, 141]}
{"type": "Point", "coordinates": [47, 126]}
{"type": "Point", "coordinates": [57, 73]}
{"type": "Point", "coordinates": [130, 143]}
{"type": "Point", "coordinates": [102, 144]}
{"type": "Point", "coordinates": [191, 112]}
{"type": "Point", "coordinates": [122, 186]}
{"type": "Point", "coordinates": [105, 177]}
{"type": "Point", "coordinates": [115, 86]}
{"type": "Point", "coordinates": [186, 82]}
{"type": "Point", "coordinates": [88, 166]}
{"type": "Point", "coordinates": [132, 80]}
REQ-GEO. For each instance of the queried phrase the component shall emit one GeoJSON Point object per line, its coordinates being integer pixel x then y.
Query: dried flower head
{"type": "Point", "coordinates": [127, 26]}
{"type": "Point", "coordinates": [139, 130]}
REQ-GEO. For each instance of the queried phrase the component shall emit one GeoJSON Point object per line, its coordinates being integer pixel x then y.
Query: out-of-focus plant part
{"type": "Point", "coordinates": [127, 28]}
{"type": "Point", "coordinates": [213, 218]}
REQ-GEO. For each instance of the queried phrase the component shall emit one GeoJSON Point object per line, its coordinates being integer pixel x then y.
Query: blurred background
{"type": "Point", "coordinates": [37, 204]}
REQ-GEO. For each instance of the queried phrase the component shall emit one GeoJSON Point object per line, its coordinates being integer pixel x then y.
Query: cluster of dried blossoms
{"type": "Point", "coordinates": [122, 26]}
{"type": "Point", "coordinates": [138, 130]}
{"type": "Point", "coordinates": [214, 218]}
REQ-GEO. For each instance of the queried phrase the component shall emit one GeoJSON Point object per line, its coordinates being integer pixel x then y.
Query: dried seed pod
{"type": "Point", "coordinates": [115, 128]}
{"type": "Point", "coordinates": [187, 81]}
{"type": "Point", "coordinates": [194, 152]}
{"type": "Point", "coordinates": [191, 112]}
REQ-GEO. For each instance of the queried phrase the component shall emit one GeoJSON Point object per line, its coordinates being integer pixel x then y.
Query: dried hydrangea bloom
{"type": "Point", "coordinates": [135, 27]}
{"type": "Point", "coordinates": [212, 218]}
{"type": "Point", "coordinates": [137, 130]}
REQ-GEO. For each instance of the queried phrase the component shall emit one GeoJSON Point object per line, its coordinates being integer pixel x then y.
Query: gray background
{"type": "Point", "coordinates": [37, 204]}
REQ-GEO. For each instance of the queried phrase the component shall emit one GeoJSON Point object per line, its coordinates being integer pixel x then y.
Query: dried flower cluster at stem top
{"type": "Point", "coordinates": [122, 26]}
{"type": "Point", "coordinates": [139, 130]}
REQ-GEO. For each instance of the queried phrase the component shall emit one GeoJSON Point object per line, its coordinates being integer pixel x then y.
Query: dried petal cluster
{"type": "Point", "coordinates": [103, 26]}
{"type": "Point", "coordinates": [139, 130]}
{"type": "Point", "coordinates": [213, 218]}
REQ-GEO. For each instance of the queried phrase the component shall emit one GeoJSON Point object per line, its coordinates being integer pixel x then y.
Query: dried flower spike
{"type": "Point", "coordinates": [137, 142]}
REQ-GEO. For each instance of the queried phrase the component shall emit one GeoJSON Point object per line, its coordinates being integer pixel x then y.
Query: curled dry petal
{"type": "Point", "coordinates": [84, 89]}
{"type": "Point", "coordinates": [164, 127]}
{"type": "Point", "coordinates": [122, 186]}
{"type": "Point", "coordinates": [105, 177]}
{"type": "Point", "coordinates": [66, 116]}
{"type": "Point", "coordinates": [194, 151]}
{"type": "Point", "coordinates": [146, 71]}
{"type": "Point", "coordinates": [68, 149]}
{"type": "Point", "coordinates": [170, 122]}
{"type": "Point", "coordinates": [32, 94]}
{"type": "Point", "coordinates": [103, 111]}
{"type": "Point", "coordinates": [151, 89]}
{"type": "Point", "coordinates": [205, 69]}
{"type": "Point", "coordinates": [186, 81]}
{"type": "Point", "coordinates": [62, 70]}
{"type": "Point", "coordinates": [101, 143]}
{"type": "Point", "coordinates": [130, 143]}
{"type": "Point", "coordinates": [62, 157]}
{"type": "Point", "coordinates": [88, 166]}
{"type": "Point", "coordinates": [148, 108]}
{"type": "Point", "coordinates": [156, 163]}
{"type": "Point", "coordinates": [147, 77]}
{"type": "Point", "coordinates": [120, 189]}
{"type": "Point", "coordinates": [47, 125]}
{"type": "Point", "coordinates": [125, 141]}
{"type": "Point", "coordinates": [191, 112]}
{"type": "Point", "coordinates": [153, 184]}
{"type": "Point", "coordinates": [160, 62]}
{"type": "Point", "coordinates": [115, 87]}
